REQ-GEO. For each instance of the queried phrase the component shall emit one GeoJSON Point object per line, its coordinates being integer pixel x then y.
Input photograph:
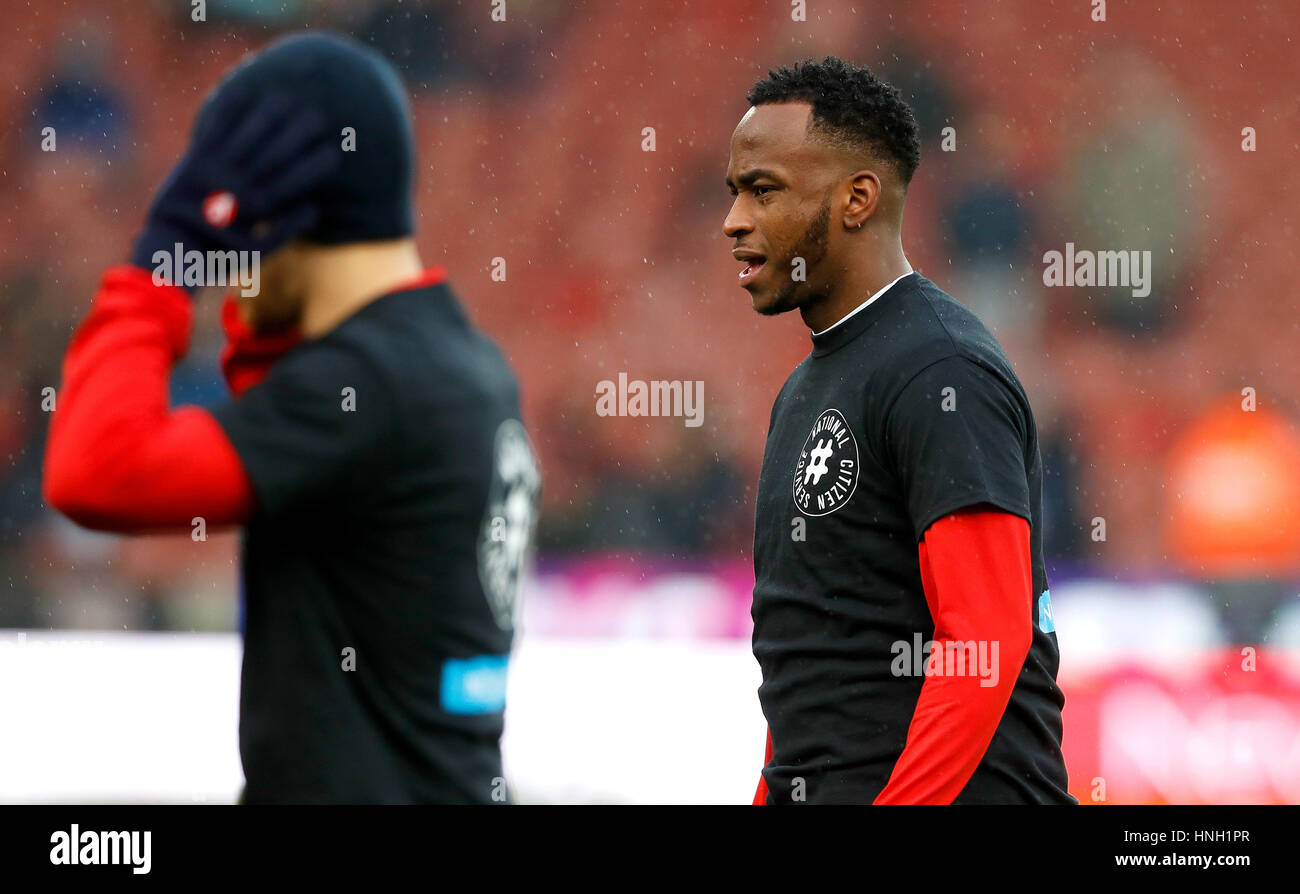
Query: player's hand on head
{"type": "Point", "coordinates": [246, 182]}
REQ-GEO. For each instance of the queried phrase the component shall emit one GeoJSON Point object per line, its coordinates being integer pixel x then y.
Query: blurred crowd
{"type": "Point", "coordinates": [1167, 418]}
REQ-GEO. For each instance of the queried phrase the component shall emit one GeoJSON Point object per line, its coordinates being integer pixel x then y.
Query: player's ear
{"type": "Point", "coordinates": [864, 197]}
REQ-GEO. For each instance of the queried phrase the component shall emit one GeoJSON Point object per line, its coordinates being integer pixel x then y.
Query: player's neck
{"type": "Point", "coordinates": [872, 272]}
{"type": "Point", "coordinates": [345, 278]}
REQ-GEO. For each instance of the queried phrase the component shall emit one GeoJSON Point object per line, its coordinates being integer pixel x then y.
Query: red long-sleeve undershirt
{"type": "Point", "coordinates": [760, 794]}
{"type": "Point", "coordinates": [977, 578]}
{"type": "Point", "coordinates": [118, 457]}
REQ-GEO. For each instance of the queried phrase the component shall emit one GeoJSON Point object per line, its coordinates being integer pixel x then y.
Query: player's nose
{"type": "Point", "coordinates": [736, 223]}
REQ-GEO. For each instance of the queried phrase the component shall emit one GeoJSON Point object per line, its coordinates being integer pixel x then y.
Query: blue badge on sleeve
{"type": "Point", "coordinates": [1045, 622]}
{"type": "Point", "coordinates": [474, 685]}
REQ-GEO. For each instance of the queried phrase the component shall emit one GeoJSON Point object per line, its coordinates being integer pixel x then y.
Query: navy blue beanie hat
{"type": "Point", "coordinates": [352, 86]}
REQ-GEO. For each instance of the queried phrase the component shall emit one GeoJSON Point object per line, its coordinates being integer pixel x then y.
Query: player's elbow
{"type": "Point", "coordinates": [77, 493]}
{"type": "Point", "coordinates": [63, 493]}
{"type": "Point", "coordinates": [59, 484]}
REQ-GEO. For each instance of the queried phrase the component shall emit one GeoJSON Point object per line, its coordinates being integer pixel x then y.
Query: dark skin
{"type": "Point", "coordinates": [800, 197]}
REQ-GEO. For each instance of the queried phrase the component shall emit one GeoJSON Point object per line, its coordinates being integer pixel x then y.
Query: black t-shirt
{"type": "Point", "coordinates": [396, 502]}
{"type": "Point", "coordinates": [903, 413]}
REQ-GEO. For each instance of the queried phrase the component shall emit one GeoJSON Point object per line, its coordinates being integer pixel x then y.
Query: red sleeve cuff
{"type": "Point", "coordinates": [247, 357]}
{"type": "Point", "coordinates": [130, 289]}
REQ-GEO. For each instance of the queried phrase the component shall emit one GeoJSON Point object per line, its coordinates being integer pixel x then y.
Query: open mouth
{"type": "Point", "coordinates": [751, 269]}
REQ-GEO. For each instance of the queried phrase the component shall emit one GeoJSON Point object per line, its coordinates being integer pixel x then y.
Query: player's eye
{"type": "Point", "coordinates": [760, 191]}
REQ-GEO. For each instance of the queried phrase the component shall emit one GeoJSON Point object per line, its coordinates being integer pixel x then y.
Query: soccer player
{"type": "Point", "coordinates": [901, 612]}
{"type": "Point", "coordinates": [373, 452]}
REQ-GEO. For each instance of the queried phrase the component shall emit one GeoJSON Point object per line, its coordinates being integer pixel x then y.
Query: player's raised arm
{"type": "Point", "coordinates": [374, 450]}
{"type": "Point", "coordinates": [118, 458]}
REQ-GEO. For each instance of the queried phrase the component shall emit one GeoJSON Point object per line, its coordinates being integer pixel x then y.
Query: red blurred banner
{"type": "Point", "coordinates": [1221, 728]}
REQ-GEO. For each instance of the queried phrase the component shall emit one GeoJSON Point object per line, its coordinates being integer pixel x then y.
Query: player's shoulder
{"type": "Point", "coordinates": [416, 346]}
{"type": "Point", "coordinates": [430, 350]}
{"type": "Point", "coordinates": [338, 356]}
{"type": "Point", "coordinates": [927, 324]}
{"type": "Point", "coordinates": [424, 328]}
{"type": "Point", "coordinates": [406, 322]}
{"type": "Point", "coordinates": [932, 327]}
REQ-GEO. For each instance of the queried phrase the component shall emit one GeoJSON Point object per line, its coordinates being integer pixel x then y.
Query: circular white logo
{"type": "Point", "coordinates": [827, 472]}
{"type": "Point", "coordinates": [507, 531]}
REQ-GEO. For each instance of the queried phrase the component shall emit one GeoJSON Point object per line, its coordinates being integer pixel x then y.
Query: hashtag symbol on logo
{"type": "Point", "coordinates": [817, 468]}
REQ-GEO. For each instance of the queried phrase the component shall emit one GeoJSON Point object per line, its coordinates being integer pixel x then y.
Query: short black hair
{"type": "Point", "coordinates": [851, 106]}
